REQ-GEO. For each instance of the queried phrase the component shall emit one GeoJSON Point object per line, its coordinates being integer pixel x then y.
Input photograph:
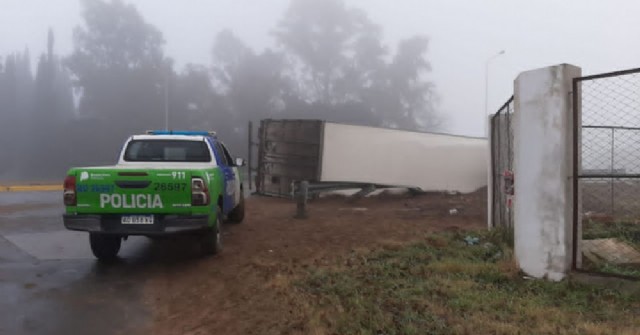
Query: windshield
{"type": "Point", "coordinates": [167, 151]}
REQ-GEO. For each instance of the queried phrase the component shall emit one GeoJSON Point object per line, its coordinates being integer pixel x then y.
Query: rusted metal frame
{"type": "Point", "coordinates": [611, 127]}
{"type": "Point", "coordinates": [609, 176]}
{"type": "Point", "coordinates": [608, 75]}
{"type": "Point", "coordinates": [577, 123]}
{"type": "Point", "coordinates": [494, 192]}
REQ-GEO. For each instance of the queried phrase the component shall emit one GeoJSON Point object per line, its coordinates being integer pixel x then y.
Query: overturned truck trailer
{"type": "Point", "coordinates": [290, 151]}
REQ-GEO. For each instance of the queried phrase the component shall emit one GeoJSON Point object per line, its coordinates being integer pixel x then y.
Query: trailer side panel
{"type": "Point", "coordinates": [431, 162]}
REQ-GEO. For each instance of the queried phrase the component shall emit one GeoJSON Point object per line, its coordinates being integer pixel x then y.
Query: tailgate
{"type": "Point", "coordinates": [134, 191]}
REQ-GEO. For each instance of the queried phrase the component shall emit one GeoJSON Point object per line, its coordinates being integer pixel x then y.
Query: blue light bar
{"type": "Point", "coordinates": [181, 132]}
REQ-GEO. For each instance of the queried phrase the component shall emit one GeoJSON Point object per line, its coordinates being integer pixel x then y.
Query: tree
{"type": "Point", "coordinates": [118, 63]}
{"type": "Point", "coordinates": [195, 104]}
{"type": "Point", "coordinates": [120, 72]}
{"type": "Point", "coordinates": [53, 110]}
{"type": "Point", "coordinates": [332, 48]}
{"type": "Point", "coordinates": [16, 96]}
{"type": "Point", "coordinates": [53, 92]}
{"type": "Point", "coordinates": [4, 117]}
{"type": "Point", "coordinates": [253, 85]}
{"type": "Point", "coordinates": [409, 98]}
{"type": "Point", "coordinates": [341, 67]}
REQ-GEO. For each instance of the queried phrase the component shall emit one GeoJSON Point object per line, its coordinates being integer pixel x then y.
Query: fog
{"type": "Point", "coordinates": [77, 77]}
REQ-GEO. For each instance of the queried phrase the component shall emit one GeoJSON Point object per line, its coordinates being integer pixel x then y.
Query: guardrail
{"type": "Point", "coordinates": [302, 191]}
{"type": "Point", "coordinates": [30, 188]}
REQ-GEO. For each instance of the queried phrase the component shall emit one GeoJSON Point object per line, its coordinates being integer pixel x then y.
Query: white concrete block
{"type": "Point", "coordinates": [543, 152]}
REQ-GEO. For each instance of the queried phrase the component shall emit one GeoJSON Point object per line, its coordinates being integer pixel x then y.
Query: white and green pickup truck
{"type": "Point", "coordinates": [165, 183]}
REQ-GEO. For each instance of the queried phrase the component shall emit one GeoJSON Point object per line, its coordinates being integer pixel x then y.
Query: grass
{"type": "Point", "coordinates": [444, 286]}
{"type": "Point", "coordinates": [625, 231]}
{"type": "Point", "coordinates": [628, 232]}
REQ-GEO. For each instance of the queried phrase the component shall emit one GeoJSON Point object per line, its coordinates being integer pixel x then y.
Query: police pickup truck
{"type": "Point", "coordinates": [165, 182]}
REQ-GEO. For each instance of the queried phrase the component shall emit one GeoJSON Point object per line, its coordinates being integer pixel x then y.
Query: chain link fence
{"type": "Point", "coordinates": [502, 168]}
{"type": "Point", "coordinates": [609, 172]}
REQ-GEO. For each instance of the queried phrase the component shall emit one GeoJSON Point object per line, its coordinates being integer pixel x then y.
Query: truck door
{"type": "Point", "coordinates": [238, 176]}
{"type": "Point", "coordinates": [229, 174]}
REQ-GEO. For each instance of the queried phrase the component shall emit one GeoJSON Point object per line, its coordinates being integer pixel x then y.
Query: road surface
{"type": "Point", "coordinates": [49, 280]}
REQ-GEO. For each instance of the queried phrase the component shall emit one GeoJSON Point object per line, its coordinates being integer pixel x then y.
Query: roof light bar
{"type": "Point", "coordinates": [181, 132]}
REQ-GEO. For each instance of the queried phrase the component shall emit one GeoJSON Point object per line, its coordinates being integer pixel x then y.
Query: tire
{"type": "Point", "coordinates": [237, 214]}
{"type": "Point", "coordinates": [211, 239]}
{"type": "Point", "coordinates": [105, 247]}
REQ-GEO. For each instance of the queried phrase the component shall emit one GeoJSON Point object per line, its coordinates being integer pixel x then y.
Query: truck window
{"type": "Point", "coordinates": [167, 151]}
{"type": "Point", "coordinates": [227, 155]}
{"type": "Point", "coordinates": [223, 158]}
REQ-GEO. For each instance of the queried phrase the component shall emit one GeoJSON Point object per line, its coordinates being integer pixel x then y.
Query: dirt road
{"type": "Point", "coordinates": [250, 287]}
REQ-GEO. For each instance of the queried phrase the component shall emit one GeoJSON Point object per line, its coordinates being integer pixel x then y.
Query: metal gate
{"type": "Point", "coordinates": [502, 167]}
{"type": "Point", "coordinates": [607, 166]}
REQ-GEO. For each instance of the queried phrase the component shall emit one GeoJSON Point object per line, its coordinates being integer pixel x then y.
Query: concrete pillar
{"type": "Point", "coordinates": [543, 157]}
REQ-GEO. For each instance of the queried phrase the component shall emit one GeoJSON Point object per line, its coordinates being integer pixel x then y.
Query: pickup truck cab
{"type": "Point", "coordinates": [165, 183]}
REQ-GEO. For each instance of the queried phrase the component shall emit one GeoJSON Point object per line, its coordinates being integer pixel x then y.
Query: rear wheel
{"type": "Point", "coordinates": [237, 214]}
{"type": "Point", "coordinates": [105, 247]}
{"type": "Point", "coordinates": [211, 239]}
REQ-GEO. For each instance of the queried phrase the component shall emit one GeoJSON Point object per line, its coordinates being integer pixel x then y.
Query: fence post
{"type": "Point", "coordinates": [543, 164]}
{"type": "Point", "coordinates": [613, 181]}
{"type": "Point", "coordinates": [301, 203]}
{"type": "Point", "coordinates": [250, 156]}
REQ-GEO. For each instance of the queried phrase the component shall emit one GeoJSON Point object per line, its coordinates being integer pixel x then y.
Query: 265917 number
{"type": "Point", "coordinates": [170, 187]}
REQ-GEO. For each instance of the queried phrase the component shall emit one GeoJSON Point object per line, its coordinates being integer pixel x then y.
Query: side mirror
{"type": "Point", "coordinates": [240, 162]}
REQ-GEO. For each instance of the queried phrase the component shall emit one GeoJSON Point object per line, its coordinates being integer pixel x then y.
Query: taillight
{"type": "Point", "coordinates": [199, 192]}
{"type": "Point", "coordinates": [70, 198]}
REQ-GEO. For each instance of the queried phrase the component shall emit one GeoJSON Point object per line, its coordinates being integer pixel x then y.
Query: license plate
{"type": "Point", "coordinates": [137, 219]}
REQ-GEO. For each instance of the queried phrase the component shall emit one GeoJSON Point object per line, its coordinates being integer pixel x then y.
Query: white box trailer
{"type": "Point", "coordinates": [318, 151]}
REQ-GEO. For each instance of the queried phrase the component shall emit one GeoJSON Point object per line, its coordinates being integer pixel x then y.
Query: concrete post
{"type": "Point", "coordinates": [543, 158]}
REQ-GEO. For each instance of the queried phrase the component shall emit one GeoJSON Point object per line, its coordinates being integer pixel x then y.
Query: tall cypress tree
{"type": "Point", "coordinates": [4, 123]}
{"type": "Point", "coordinates": [17, 105]}
{"type": "Point", "coordinates": [53, 111]}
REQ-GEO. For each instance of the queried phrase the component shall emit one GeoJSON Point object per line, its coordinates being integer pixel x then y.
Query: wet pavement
{"type": "Point", "coordinates": [50, 282]}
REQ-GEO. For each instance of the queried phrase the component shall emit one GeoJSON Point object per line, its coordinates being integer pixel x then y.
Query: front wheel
{"type": "Point", "coordinates": [105, 247]}
{"type": "Point", "coordinates": [211, 239]}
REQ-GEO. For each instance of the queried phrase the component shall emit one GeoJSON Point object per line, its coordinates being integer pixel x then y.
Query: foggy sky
{"type": "Point", "coordinates": [599, 36]}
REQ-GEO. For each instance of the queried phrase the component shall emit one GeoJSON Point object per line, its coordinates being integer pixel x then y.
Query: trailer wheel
{"type": "Point", "coordinates": [105, 247]}
{"type": "Point", "coordinates": [211, 239]}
